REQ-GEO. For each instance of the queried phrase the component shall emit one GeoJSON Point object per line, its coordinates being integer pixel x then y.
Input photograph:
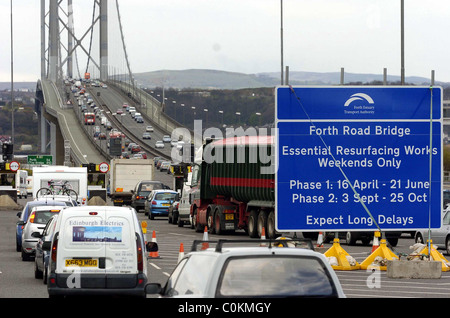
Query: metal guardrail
{"type": "Point", "coordinates": [153, 109]}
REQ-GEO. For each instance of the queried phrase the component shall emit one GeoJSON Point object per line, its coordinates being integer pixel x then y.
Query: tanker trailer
{"type": "Point", "coordinates": [233, 184]}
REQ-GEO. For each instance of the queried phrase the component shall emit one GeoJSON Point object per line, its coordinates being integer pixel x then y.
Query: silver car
{"type": "Point", "coordinates": [166, 139]}
{"type": "Point", "coordinates": [440, 238]}
{"type": "Point", "coordinates": [36, 222]}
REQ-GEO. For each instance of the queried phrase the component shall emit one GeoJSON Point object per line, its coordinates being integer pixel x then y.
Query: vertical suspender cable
{"type": "Point", "coordinates": [90, 41]}
{"type": "Point", "coordinates": [123, 44]}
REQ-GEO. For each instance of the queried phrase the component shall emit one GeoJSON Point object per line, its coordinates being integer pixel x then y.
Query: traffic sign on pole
{"type": "Point", "coordinates": [14, 166]}
{"type": "Point", "coordinates": [103, 167]}
{"type": "Point", "coordinates": [39, 160]}
{"type": "Point", "coordinates": [358, 158]}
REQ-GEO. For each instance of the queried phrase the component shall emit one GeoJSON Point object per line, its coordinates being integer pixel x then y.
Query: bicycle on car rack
{"type": "Point", "coordinates": [57, 188]}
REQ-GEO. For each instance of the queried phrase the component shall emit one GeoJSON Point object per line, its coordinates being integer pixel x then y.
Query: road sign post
{"type": "Point", "coordinates": [358, 158]}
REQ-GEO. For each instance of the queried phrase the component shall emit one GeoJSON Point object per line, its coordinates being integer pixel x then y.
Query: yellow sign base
{"type": "Point", "coordinates": [436, 256]}
{"type": "Point", "coordinates": [341, 256]}
{"type": "Point", "coordinates": [384, 254]}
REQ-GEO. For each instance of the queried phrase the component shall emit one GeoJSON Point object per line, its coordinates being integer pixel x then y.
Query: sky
{"type": "Point", "coordinates": [362, 36]}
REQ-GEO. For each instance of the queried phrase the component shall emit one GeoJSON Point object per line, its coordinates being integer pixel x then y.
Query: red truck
{"type": "Point", "coordinates": [89, 119]}
{"type": "Point", "coordinates": [233, 184]}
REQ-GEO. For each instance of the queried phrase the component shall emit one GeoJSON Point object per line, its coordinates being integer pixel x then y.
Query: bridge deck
{"type": "Point", "coordinates": [81, 147]}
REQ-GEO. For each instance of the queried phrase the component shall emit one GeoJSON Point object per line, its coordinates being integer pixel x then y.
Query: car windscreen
{"type": "Point", "coordinates": [146, 188]}
{"type": "Point", "coordinates": [165, 196]}
{"type": "Point", "coordinates": [186, 279]}
{"type": "Point", "coordinates": [275, 276]}
{"type": "Point", "coordinates": [32, 204]}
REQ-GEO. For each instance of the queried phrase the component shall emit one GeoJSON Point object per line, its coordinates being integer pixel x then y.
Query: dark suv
{"type": "Point", "coordinates": [142, 191]}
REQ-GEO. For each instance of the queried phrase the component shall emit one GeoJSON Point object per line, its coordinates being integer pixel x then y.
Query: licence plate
{"type": "Point", "coordinates": [165, 204]}
{"type": "Point", "coordinates": [229, 216]}
{"type": "Point", "coordinates": [82, 262]}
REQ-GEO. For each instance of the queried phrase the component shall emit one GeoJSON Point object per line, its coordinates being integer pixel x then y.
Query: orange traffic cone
{"type": "Point", "coordinates": [375, 243]}
{"type": "Point", "coordinates": [154, 253]}
{"type": "Point", "coordinates": [181, 254]}
{"type": "Point", "coordinates": [320, 240]}
{"type": "Point", "coordinates": [263, 236]}
{"type": "Point", "coordinates": [205, 244]}
{"type": "Point", "coordinates": [263, 233]}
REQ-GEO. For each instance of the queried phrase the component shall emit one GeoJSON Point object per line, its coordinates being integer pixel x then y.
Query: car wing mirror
{"type": "Point", "coordinates": [46, 245]}
{"type": "Point", "coordinates": [153, 288]}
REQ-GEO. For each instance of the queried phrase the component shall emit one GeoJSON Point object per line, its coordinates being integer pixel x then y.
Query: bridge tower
{"type": "Point", "coordinates": [59, 45]}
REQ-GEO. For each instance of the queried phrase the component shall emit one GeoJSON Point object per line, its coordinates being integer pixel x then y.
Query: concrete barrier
{"type": "Point", "coordinates": [413, 269]}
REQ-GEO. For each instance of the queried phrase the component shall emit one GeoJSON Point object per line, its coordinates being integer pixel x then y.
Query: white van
{"type": "Point", "coordinates": [21, 183]}
{"type": "Point", "coordinates": [29, 185]}
{"type": "Point", "coordinates": [75, 177]}
{"type": "Point", "coordinates": [184, 208]}
{"type": "Point", "coordinates": [97, 250]}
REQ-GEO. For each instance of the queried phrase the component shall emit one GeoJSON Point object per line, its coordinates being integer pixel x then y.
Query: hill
{"type": "Point", "coordinates": [214, 79]}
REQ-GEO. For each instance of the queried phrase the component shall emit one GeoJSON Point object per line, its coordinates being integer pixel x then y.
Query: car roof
{"type": "Point", "coordinates": [270, 245]}
{"type": "Point", "coordinates": [162, 190]}
{"type": "Point", "coordinates": [47, 207]}
{"type": "Point", "coordinates": [95, 208]}
{"type": "Point", "coordinates": [45, 201]}
{"type": "Point", "coordinates": [55, 197]}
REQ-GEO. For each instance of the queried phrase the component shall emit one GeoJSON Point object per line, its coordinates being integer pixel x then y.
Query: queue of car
{"type": "Point", "coordinates": [103, 246]}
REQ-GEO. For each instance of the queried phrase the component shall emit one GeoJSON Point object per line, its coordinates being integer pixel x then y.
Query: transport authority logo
{"type": "Point", "coordinates": [359, 96]}
{"type": "Point", "coordinates": [363, 107]}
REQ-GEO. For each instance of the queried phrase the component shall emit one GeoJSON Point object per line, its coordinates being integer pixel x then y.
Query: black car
{"type": "Point", "coordinates": [43, 250]}
{"type": "Point", "coordinates": [142, 191]}
{"type": "Point", "coordinates": [173, 212]}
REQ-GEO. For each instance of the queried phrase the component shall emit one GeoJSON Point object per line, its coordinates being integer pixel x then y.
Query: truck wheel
{"type": "Point", "coordinates": [350, 238]}
{"type": "Point", "coordinates": [252, 222]}
{"type": "Point", "coordinates": [393, 241]}
{"type": "Point", "coordinates": [210, 222]}
{"type": "Point", "coordinates": [270, 231]}
{"type": "Point", "coordinates": [262, 223]}
{"type": "Point", "coordinates": [216, 225]}
{"type": "Point", "coordinates": [195, 223]}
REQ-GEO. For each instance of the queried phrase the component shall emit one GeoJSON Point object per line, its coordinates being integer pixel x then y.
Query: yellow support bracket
{"type": "Point", "coordinates": [341, 255]}
{"type": "Point", "coordinates": [436, 256]}
{"type": "Point", "coordinates": [382, 251]}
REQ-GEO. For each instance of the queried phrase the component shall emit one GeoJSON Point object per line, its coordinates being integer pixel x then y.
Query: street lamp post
{"type": "Point", "coordinates": [259, 118]}
{"type": "Point", "coordinates": [402, 40]}
{"type": "Point", "coordinates": [221, 112]}
{"type": "Point", "coordinates": [206, 111]}
{"type": "Point", "coordinates": [184, 119]}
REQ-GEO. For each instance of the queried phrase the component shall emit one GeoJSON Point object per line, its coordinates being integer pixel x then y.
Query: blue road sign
{"type": "Point", "coordinates": [358, 158]}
